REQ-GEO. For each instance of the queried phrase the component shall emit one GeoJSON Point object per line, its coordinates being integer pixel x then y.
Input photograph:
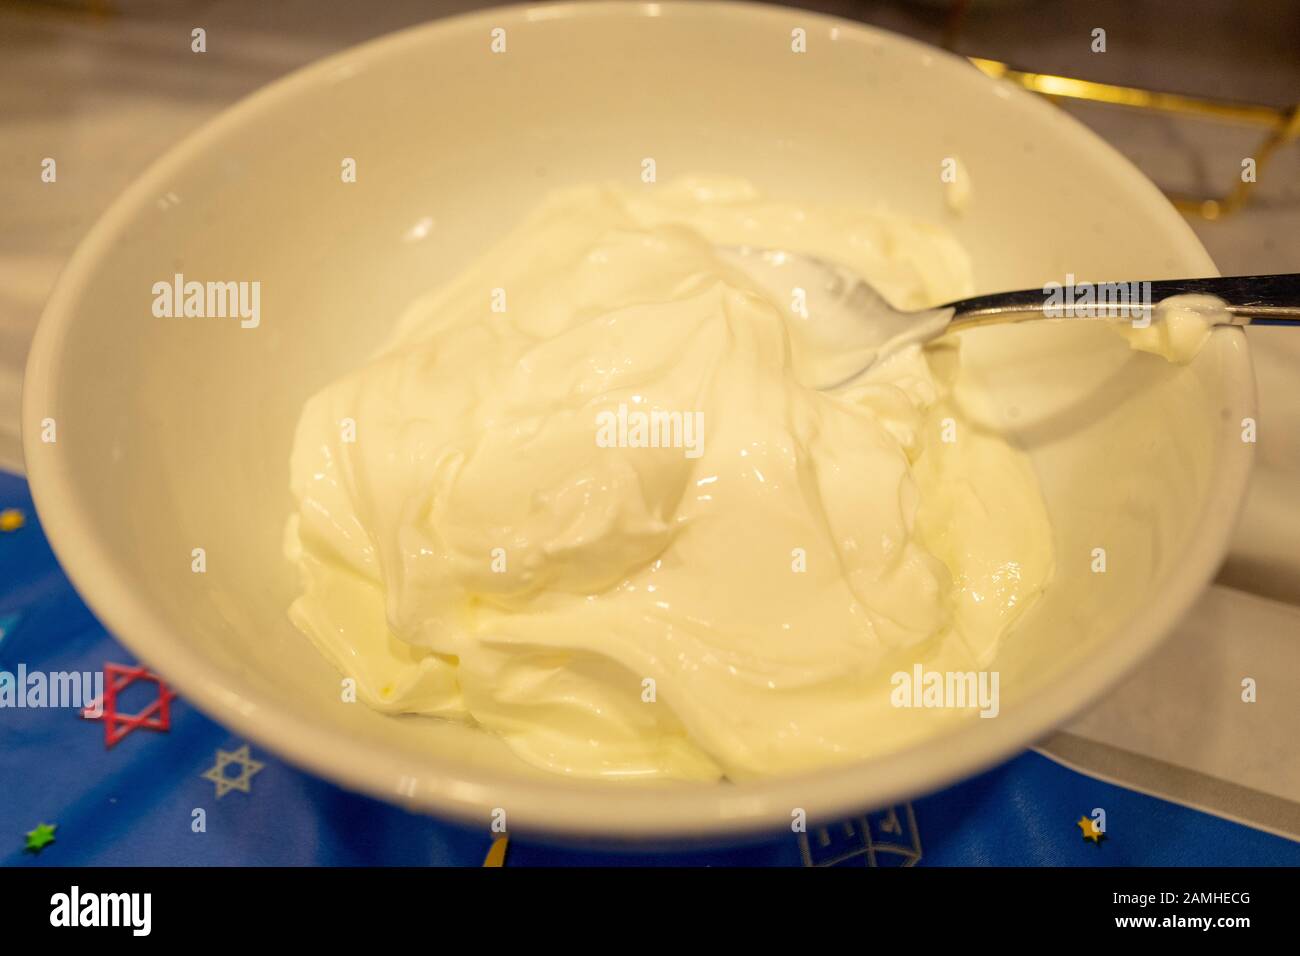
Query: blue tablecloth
{"type": "Point", "coordinates": [134, 803]}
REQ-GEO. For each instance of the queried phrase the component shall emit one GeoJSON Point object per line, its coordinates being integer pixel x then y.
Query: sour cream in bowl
{"type": "Point", "coordinates": [444, 379]}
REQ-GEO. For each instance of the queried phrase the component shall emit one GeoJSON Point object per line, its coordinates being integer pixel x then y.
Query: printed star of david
{"type": "Point", "coordinates": [117, 678]}
{"type": "Point", "coordinates": [242, 783]}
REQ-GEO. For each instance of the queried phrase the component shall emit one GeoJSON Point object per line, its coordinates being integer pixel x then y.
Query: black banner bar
{"type": "Point", "coordinates": [366, 905]}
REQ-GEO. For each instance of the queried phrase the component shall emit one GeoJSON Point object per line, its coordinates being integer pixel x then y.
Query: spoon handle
{"type": "Point", "coordinates": [1250, 300]}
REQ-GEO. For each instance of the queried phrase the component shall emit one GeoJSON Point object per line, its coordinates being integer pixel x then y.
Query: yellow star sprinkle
{"type": "Point", "coordinates": [11, 519]}
{"type": "Point", "coordinates": [1090, 830]}
{"type": "Point", "coordinates": [497, 852]}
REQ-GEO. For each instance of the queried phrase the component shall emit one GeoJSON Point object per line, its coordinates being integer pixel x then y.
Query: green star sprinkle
{"type": "Point", "coordinates": [43, 835]}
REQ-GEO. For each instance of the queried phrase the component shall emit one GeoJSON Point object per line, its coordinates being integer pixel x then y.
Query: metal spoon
{"type": "Point", "coordinates": [861, 328]}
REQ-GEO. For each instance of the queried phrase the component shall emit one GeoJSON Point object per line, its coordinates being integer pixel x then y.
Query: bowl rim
{"type": "Point", "coordinates": [563, 807]}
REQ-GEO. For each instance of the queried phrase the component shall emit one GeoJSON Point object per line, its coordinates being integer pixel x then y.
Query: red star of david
{"type": "Point", "coordinates": [157, 716]}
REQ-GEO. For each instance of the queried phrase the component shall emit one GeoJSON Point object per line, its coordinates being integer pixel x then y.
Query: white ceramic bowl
{"type": "Point", "coordinates": [174, 434]}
